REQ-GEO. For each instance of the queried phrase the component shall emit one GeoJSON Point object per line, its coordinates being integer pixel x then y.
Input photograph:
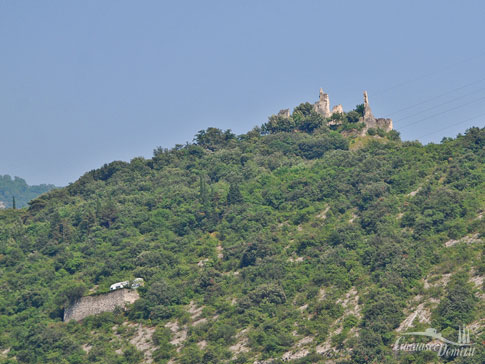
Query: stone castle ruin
{"type": "Point", "coordinates": [106, 302]}
{"type": "Point", "coordinates": [370, 121]}
{"type": "Point", "coordinates": [322, 106]}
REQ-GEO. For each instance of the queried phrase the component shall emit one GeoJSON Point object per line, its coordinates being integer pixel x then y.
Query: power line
{"type": "Point", "coordinates": [429, 74]}
{"type": "Point", "coordinates": [452, 125]}
{"type": "Point", "coordinates": [440, 104]}
{"type": "Point", "coordinates": [443, 112]}
{"type": "Point", "coordinates": [435, 97]}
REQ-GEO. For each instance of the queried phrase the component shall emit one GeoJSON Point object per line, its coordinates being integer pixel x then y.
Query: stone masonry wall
{"type": "Point", "coordinates": [92, 305]}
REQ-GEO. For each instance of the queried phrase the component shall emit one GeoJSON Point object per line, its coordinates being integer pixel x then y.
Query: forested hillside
{"type": "Point", "coordinates": [19, 189]}
{"type": "Point", "coordinates": [293, 242]}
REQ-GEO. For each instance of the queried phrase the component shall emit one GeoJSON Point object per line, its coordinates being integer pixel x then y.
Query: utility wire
{"type": "Point", "coordinates": [434, 98]}
{"type": "Point", "coordinates": [440, 104]}
{"type": "Point", "coordinates": [452, 125]}
{"type": "Point", "coordinates": [429, 74]}
{"type": "Point", "coordinates": [443, 112]}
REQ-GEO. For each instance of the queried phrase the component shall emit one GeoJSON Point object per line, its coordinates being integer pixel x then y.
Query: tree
{"type": "Point", "coordinates": [69, 293]}
{"type": "Point", "coordinates": [458, 306]}
{"type": "Point", "coordinates": [204, 195]}
{"type": "Point", "coordinates": [213, 138]}
{"type": "Point", "coordinates": [107, 213]}
{"type": "Point", "coordinates": [278, 123]}
{"type": "Point", "coordinates": [360, 109]}
{"type": "Point", "coordinates": [13, 203]}
{"type": "Point", "coordinates": [353, 116]}
{"type": "Point", "coordinates": [234, 196]}
{"type": "Point", "coordinates": [304, 108]}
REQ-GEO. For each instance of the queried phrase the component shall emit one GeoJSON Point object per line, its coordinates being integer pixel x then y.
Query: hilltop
{"type": "Point", "coordinates": [312, 236]}
{"type": "Point", "coordinates": [18, 188]}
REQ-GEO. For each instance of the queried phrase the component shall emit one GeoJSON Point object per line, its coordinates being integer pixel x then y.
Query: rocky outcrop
{"type": "Point", "coordinates": [2, 205]}
{"type": "Point", "coordinates": [93, 305]}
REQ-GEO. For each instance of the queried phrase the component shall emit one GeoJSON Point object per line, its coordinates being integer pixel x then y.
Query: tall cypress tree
{"type": "Point", "coordinates": [14, 206]}
{"type": "Point", "coordinates": [204, 195]}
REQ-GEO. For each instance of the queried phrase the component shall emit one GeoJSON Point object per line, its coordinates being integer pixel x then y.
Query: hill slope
{"type": "Point", "coordinates": [18, 188]}
{"type": "Point", "coordinates": [287, 246]}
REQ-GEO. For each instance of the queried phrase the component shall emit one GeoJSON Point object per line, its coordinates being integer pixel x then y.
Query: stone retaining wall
{"type": "Point", "coordinates": [93, 305]}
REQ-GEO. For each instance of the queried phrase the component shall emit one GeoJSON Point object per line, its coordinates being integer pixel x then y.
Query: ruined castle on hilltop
{"type": "Point", "coordinates": [322, 107]}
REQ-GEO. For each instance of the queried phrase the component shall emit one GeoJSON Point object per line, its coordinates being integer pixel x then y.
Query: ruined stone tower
{"type": "Point", "coordinates": [370, 121]}
{"type": "Point", "coordinates": [322, 106]}
{"type": "Point", "coordinates": [338, 109]}
{"type": "Point", "coordinates": [367, 111]}
{"type": "Point", "coordinates": [285, 113]}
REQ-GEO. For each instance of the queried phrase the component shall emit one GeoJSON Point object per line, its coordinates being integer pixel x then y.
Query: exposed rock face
{"type": "Point", "coordinates": [93, 305]}
{"type": "Point", "coordinates": [322, 106]}
{"type": "Point", "coordinates": [285, 113]}
{"type": "Point", "coordinates": [2, 205]}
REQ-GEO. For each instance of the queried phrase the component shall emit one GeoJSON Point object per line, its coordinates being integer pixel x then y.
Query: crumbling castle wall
{"type": "Point", "coordinates": [338, 109]}
{"type": "Point", "coordinates": [322, 106]}
{"type": "Point", "coordinates": [370, 121]}
{"type": "Point", "coordinates": [385, 124]}
{"type": "Point", "coordinates": [93, 305]}
{"type": "Point", "coordinates": [285, 113]}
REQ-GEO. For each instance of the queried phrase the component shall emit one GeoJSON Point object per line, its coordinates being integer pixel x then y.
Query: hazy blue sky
{"type": "Point", "coordinates": [88, 82]}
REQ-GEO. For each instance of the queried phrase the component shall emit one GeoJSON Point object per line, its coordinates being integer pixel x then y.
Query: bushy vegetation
{"type": "Point", "coordinates": [305, 119]}
{"type": "Point", "coordinates": [267, 231]}
{"type": "Point", "coordinates": [18, 190]}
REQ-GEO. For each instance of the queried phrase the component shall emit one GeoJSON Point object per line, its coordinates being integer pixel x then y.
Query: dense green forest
{"type": "Point", "coordinates": [294, 242]}
{"type": "Point", "coordinates": [19, 190]}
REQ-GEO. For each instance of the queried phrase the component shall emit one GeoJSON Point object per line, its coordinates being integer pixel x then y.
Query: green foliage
{"type": "Point", "coordinates": [316, 148]}
{"type": "Point", "coordinates": [304, 118]}
{"type": "Point", "coordinates": [459, 304]}
{"type": "Point", "coordinates": [69, 293]}
{"type": "Point", "coordinates": [274, 235]}
{"type": "Point", "coordinates": [213, 138]}
{"type": "Point", "coordinates": [16, 193]}
{"type": "Point", "coordinates": [359, 109]}
{"type": "Point", "coordinates": [353, 116]}
{"type": "Point", "coordinates": [234, 196]}
{"type": "Point", "coordinates": [161, 338]}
